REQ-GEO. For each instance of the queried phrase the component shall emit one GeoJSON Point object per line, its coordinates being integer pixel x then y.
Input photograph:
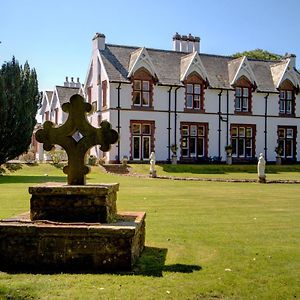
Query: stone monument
{"type": "Point", "coordinates": [73, 226]}
{"type": "Point", "coordinates": [261, 165]}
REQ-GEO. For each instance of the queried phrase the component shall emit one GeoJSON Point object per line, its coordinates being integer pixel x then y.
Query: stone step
{"type": "Point", "coordinates": [116, 168]}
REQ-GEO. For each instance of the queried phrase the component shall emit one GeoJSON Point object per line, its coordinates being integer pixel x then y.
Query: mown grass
{"type": "Point", "coordinates": [204, 240]}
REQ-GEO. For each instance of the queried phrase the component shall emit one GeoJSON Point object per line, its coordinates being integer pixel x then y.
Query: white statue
{"type": "Point", "coordinates": [152, 164]}
{"type": "Point", "coordinates": [261, 165]}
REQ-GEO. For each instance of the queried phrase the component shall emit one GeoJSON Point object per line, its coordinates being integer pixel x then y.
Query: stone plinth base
{"type": "Point", "coordinates": [67, 203]}
{"type": "Point", "coordinates": [50, 246]}
{"type": "Point", "coordinates": [262, 179]}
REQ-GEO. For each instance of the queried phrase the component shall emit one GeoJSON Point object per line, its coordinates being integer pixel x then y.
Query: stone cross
{"type": "Point", "coordinates": [77, 136]}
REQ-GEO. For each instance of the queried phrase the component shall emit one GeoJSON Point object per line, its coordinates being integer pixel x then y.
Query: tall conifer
{"type": "Point", "coordinates": [19, 101]}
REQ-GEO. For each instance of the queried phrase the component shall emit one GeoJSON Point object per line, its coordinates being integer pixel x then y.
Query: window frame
{"type": "Point", "coordinates": [240, 136]}
{"type": "Point", "coordinates": [144, 88]}
{"type": "Point", "coordinates": [284, 100]}
{"type": "Point", "coordinates": [196, 102]}
{"type": "Point", "coordinates": [188, 134]}
{"type": "Point", "coordinates": [283, 139]}
{"type": "Point", "coordinates": [143, 135]}
{"type": "Point", "coordinates": [243, 99]}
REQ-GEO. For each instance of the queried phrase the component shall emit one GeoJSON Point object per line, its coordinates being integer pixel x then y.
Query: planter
{"type": "Point", "coordinates": [174, 159]}
{"type": "Point", "coordinates": [229, 159]}
{"type": "Point", "coordinates": [278, 160]}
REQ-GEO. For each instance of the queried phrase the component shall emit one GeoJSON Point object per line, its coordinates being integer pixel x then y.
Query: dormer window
{"type": "Point", "coordinates": [242, 96]}
{"type": "Point", "coordinates": [193, 96]}
{"type": "Point", "coordinates": [194, 93]}
{"type": "Point", "coordinates": [286, 102]}
{"type": "Point", "coordinates": [141, 93]}
{"type": "Point", "coordinates": [142, 90]}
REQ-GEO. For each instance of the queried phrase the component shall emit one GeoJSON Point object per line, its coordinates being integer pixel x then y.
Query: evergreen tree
{"type": "Point", "coordinates": [259, 54]}
{"type": "Point", "coordinates": [19, 101]}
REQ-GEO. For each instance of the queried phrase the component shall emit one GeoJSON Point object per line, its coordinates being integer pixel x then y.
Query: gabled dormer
{"type": "Point", "coordinates": [141, 59]}
{"type": "Point", "coordinates": [240, 68]}
{"type": "Point", "coordinates": [286, 81]}
{"type": "Point", "coordinates": [243, 80]}
{"type": "Point", "coordinates": [194, 76]}
{"type": "Point", "coordinates": [283, 71]}
{"type": "Point", "coordinates": [45, 108]}
{"type": "Point", "coordinates": [192, 63]}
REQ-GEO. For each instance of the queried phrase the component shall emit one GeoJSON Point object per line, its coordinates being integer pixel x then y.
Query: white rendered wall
{"type": "Point", "coordinates": [211, 105]}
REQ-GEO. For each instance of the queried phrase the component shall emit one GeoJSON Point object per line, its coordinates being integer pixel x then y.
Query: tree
{"type": "Point", "coordinates": [19, 101]}
{"type": "Point", "coordinates": [259, 54]}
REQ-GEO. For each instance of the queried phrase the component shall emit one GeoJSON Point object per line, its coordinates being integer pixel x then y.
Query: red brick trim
{"type": "Point", "coordinates": [144, 75]}
{"type": "Point", "coordinates": [195, 78]}
{"type": "Point", "coordinates": [253, 126]}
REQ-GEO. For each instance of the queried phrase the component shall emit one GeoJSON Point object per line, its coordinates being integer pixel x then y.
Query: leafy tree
{"type": "Point", "coordinates": [259, 54]}
{"type": "Point", "coordinates": [19, 101]}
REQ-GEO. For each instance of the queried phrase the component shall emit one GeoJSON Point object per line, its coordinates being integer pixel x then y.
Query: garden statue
{"type": "Point", "coordinates": [261, 169]}
{"type": "Point", "coordinates": [152, 165]}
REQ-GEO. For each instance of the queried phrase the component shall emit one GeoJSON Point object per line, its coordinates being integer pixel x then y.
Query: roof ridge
{"type": "Point", "coordinates": [67, 87]}
{"type": "Point", "coordinates": [168, 50]}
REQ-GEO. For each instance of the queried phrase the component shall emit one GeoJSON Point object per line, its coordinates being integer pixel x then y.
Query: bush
{"type": "Point", "coordinates": [28, 157]}
{"type": "Point", "coordinates": [57, 155]}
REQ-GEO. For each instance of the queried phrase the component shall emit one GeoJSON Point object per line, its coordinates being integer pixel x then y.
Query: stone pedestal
{"type": "Point", "coordinates": [46, 246]}
{"type": "Point", "coordinates": [69, 203]}
{"type": "Point", "coordinates": [262, 179]}
{"type": "Point", "coordinates": [74, 228]}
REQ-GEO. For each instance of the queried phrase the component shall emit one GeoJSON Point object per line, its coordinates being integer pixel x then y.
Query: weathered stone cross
{"type": "Point", "coordinates": [77, 136]}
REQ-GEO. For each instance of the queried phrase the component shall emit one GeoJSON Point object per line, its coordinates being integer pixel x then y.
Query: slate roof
{"type": "Point", "coordinates": [220, 69]}
{"type": "Point", "coordinates": [49, 96]}
{"type": "Point", "coordinates": [65, 93]}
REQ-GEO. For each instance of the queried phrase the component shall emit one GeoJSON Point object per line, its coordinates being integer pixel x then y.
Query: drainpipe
{"type": "Point", "coordinates": [227, 117]}
{"type": "Point", "coordinates": [219, 130]}
{"type": "Point", "coordinates": [266, 125]}
{"type": "Point", "coordinates": [118, 121]}
{"type": "Point", "coordinates": [175, 116]}
{"type": "Point", "coordinates": [169, 125]}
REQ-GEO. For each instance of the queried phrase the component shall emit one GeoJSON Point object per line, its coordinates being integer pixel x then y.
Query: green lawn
{"type": "Point", "coordinates": [273, 172]}
{"type": "Point", "coordinates": [204, 240]}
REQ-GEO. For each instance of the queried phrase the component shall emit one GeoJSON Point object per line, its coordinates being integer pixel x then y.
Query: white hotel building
{"type": "Point", "coordinates": [199, 102]}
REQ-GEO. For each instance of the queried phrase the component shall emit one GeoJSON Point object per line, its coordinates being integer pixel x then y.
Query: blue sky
{"type": "Point", "coordinates": [55, 36]}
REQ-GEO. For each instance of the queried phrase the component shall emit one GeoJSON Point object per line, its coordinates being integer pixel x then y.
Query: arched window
{"type": "Point", "coordinates": [194, 93]}
{"type": "Point", "coordinates": [142, 89]}
{"type": "Point", "coordinates": [287, 99]}
{"type": "Point", "coordinates": [243, 96]}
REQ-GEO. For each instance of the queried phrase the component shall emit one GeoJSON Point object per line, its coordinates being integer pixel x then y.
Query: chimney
{"type": "Point", "coordinates": [66, 83]}
{"type": "Point", "coordinates": [191, 41]}
{"type": "Point", "coordinates": [292, 58]}
{"type": "Point", "coordinates": [176, 41]}
{"type": "Point", "coordinates": [197, 44]}
{"type": "Point", "coordinates": [185, 43]}
{"type": "Point", "coordinates": [99, 41]}
{"type": "Point", "coordinates": [78, 84]}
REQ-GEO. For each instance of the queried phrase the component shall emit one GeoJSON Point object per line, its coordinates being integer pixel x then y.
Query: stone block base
{"type": "Point", "coordinates": [46, 246]}
{"type": "Point", "coordinates": [66, 203]}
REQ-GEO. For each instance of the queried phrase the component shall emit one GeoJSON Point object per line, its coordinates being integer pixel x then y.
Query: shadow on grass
{"type": "Point", "coordinates": [152, 263]}
{"type": "Point", "coordinates": [30, 179]}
